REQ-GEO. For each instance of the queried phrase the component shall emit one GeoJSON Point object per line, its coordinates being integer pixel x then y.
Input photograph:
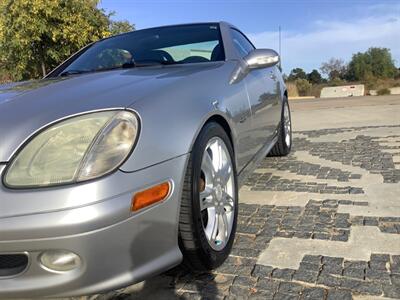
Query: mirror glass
{"type": "Point", "coordinates": [262, 58]}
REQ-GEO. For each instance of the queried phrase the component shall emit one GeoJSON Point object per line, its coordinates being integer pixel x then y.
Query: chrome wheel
{"type": "Point", "coordinates": [217, 192]}
{"type": "Point", "coordinates": [287, 125]}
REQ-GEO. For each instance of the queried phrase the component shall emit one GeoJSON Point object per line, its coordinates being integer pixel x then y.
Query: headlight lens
{"type": "Point", "coordinates": [75, 150]}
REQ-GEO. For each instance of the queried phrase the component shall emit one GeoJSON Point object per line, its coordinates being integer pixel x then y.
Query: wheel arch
{"type": "Point", "coordinates": [219, 118]}
{"type": "Point", "coordinates": [224, 124]}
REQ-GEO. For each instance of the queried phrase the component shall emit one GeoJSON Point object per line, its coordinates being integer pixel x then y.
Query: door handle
{"type": "Point", "coordinates": [273, 76]}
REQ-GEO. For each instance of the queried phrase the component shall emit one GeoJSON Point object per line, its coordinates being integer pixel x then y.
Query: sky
{"type": "Point", "coordinates": [312, 31]}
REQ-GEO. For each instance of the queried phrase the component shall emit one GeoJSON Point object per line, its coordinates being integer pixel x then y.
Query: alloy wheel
{"type": "Point", "coordinates": [217, 192]}
{"type": "Point", "coordinates": [287, 126]}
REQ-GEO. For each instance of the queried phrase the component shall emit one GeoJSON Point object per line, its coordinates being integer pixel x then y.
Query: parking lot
{"type": "Point", "coordinates": [322, 223]}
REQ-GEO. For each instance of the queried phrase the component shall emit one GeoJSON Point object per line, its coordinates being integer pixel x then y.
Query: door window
{"type": "Point", "coordinates": [241, 43]}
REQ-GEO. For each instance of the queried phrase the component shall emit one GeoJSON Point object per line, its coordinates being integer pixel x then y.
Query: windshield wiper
{"type": "Point", "coordinates": [76, 72]}
{"type": "Point", "coordinates": [132, 64]}
{"type": "Point", "coordinates": [72, 72]}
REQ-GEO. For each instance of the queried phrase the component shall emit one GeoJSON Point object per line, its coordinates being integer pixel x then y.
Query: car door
{"type": "Point", "coordinates": [263, 92]}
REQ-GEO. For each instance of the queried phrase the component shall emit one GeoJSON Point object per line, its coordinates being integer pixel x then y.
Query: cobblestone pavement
{"type": "Point", "coordinates": [322, 223]}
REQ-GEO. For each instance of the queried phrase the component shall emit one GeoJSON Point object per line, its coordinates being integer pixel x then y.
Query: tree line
{"type": "Point", "coordinates": [374, 64]}
{"type": "Point", "coordinates": [37, 35]}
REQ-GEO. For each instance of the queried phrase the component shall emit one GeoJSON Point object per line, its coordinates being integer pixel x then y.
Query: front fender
{"type": "Point", "coordinates": [173, 117]}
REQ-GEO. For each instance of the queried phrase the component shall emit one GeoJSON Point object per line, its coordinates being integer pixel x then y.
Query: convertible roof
{"type": "Point", "coordinates": [185, 24]}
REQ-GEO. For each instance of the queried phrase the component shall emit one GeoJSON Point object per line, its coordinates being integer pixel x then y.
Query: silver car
{"type": "Point", "coordinates": [127, 158]}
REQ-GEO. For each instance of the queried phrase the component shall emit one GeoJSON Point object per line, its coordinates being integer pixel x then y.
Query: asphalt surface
{"type": "Point", "coordinates": [322, 223]}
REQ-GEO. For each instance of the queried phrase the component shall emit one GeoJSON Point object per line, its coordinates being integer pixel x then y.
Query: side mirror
{"type": "Point", "coordinates": [261, 58]}
{"type": "Point", "coordinates": [256, 59]}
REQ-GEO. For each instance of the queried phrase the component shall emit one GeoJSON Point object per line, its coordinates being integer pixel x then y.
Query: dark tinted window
{"type": "Point", "coordinates": [169, 45]}
{"type": "Point", "coordinates": [241, 43]}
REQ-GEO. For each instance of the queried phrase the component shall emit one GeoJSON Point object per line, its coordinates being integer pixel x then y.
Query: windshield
{"type": "Point", "coordinates": [165, 45]}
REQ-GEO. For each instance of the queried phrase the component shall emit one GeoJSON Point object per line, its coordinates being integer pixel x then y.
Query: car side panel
{"type": "Point", "coordinates": [264, 101]}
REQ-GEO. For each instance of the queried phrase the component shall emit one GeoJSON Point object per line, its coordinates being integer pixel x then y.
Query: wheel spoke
{"type": "Point", "coordinates": [228, 201]}
{"type": "Point", "coordinates": [225, 173]}
{"type": "Point", "coordinates": [207, 167]}
{"type": "Point", "coordinates": [214, 230]}
{"type": "Point", "coordinates": [220, 160]}
{"type": "Point", "coordinates": [206, 203]}
{"type": "Point", "coordinates": [225, 225]}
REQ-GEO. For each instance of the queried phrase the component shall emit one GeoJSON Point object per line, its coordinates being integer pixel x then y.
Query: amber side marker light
{"type": "Point", "coordinates": [150, 196]}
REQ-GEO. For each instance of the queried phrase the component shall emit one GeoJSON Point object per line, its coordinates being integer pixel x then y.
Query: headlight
{"type": "Point", "coordinates": [74, 150]}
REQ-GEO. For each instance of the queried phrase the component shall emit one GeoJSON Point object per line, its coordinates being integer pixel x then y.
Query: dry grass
{"type": "Point", "coordinates": [379, 84]}
{"type": "Point", "coordinates": [376, 84]}
{"type": "Point", "coordinates": [292, 89]}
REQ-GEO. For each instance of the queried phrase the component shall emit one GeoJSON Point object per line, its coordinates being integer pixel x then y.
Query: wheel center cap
{"type": "Point", "coordinates": [218, 192]}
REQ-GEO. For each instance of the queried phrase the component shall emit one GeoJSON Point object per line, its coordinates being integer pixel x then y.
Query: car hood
{"type": "Point", "coordinates": [28, 106]}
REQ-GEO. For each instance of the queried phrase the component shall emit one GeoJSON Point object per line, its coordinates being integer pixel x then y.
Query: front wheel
{"type": "Point", "coordinates": [284, 143]}
{"type": "Point", "coordinates": [209, 210]}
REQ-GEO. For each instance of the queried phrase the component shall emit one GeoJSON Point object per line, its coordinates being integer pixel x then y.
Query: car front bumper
{"type": "Point", "coordinates": [116, 247]}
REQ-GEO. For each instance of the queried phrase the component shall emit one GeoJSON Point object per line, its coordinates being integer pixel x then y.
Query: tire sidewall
{"type": "Point", "coordinates": [209, 256]}
{"type": "Point", "coordinates": [286, 148]}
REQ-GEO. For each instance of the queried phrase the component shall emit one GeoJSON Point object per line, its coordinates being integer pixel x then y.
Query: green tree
{"type": "Point", "coordinates": [297, 73]}
{"type": "Point", "coordinates": [303, 86]}
{"type": "Point", "coordinates": [314, 77]}
{"type": "Point", "coordinates": [374, 63]}
{"type": "Point", "coordinates": [335, 68]}
{"type": "Point", "coordinates": [117, 27]}
{"type": "Point", "coordinates": [36, 35]}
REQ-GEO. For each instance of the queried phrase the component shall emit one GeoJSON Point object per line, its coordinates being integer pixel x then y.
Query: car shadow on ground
{"type": "Point", "coordinates": [172, 284]}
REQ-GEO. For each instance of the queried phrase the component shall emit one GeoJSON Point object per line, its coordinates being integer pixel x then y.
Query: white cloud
{"type": "Point", "coordinates": [339, 39]}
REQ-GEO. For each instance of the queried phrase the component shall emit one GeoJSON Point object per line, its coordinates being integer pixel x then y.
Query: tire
{"type": "Point", "coordinates": [204, 249]}
{"type": "Point", "coordinates": [284, 143]}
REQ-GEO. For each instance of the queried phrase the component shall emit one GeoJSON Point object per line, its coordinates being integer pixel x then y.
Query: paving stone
{"type": "Point", "coordinates": [357, 220]}
{"type": "Point", "coordinates": [305, 266]}
{"type": "Point", "coordinates": [313, 293]}
{"type": "Point", "coordinates": [345, 202]}
{"type": "Point", "coordinates": [262, 271]}
{"type": "Point", "coordinates": [355, 264]}
{"type": "Point", "coordinates": [379, 257]}
{"type": "Point", "coordinates": [364, 287]}
{"type": "Point", "coordinates": [245, 252]}
{"type": "Point", "coordinates": [335, 294]}
{"type": "Point", "coordinates": [378, 264]}
{"type": "Point", "coordinates": [244, 281]}
{"type": "Point", "coordinates": [239, 291]}
{"type": "Point", "coordinates": [267, 284]}
{"type": "Point", "coordinates": [395, 279]}
{"type": "Point", "coordinates": [244, 270]}
{"type": "Point", "coordinates": [328, 280]}
{"type": "Point", "coordinates": [281, 296]}
{"type": "Point", "coordinates": [305, 276]}
{"type": "Point", "coordinates": [354, 273]}
{"type": "Point", "coordinates": [395, 264]}
{"type": "Point", "coordinates": [261, 295]}
{"type": "Point", "coordinates": [332, 269]}
{"type": "Point", "coordinates": [371, 221]}
{"type": "Point", "coordinates": [377, 275]}
{"type": "Point", "coordinates": [290, 288]}
{"type": "Point", "coordinates": [365, 153]}
{"type": "Point", "coordinates": [285, 274]}
{"type": "Point", "coordinates": [391, 291]}
{"type": "Point", "coordinates": [335, 261]}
